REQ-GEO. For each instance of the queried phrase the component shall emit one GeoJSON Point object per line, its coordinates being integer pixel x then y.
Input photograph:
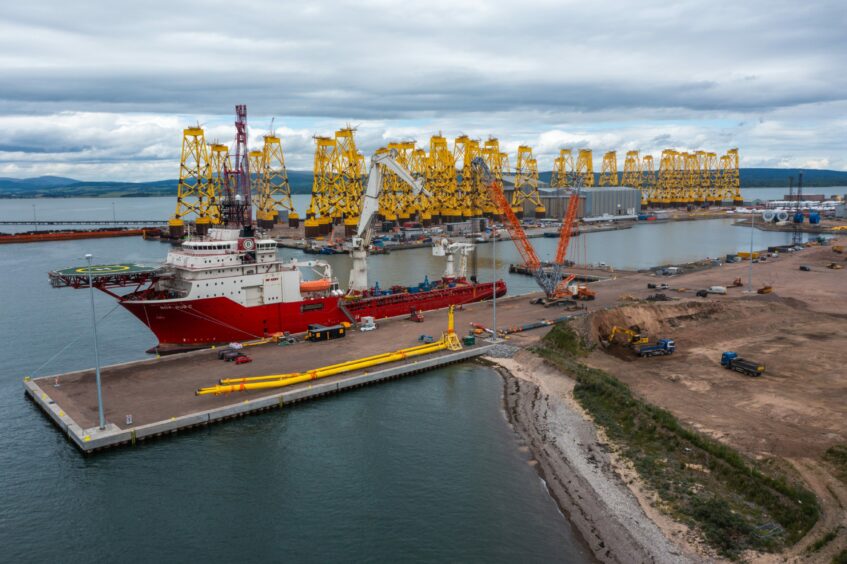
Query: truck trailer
{"type": "Point", "coordinates": [731, 361]}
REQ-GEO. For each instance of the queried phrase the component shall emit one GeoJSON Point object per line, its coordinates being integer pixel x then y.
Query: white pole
{"type": "Point", "coordinates": [96, 349]}
{"type": "Point", "coordinates": [494, 275]}
{"type": "Point", "coordinates": [750, 271]}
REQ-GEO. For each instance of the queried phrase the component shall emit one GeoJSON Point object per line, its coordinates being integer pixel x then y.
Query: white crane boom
{"type": "Point", "coordinates": [370, 204]}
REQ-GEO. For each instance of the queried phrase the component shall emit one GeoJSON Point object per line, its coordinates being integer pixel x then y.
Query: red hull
{"type": "Point", "coordinates": [220, 320]}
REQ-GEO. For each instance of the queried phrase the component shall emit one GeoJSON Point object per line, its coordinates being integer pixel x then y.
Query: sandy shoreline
{"type": "Point", "coordinates": [581, 474]}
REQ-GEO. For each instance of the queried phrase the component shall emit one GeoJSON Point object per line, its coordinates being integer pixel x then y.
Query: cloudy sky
{"type": "Point", "coordinates": [101, 90]}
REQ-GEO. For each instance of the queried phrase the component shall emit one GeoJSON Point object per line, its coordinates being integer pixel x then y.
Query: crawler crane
{"type": "Point", "coordinates": [557, 288]}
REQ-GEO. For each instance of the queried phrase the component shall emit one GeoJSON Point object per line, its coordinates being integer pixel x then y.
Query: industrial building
{"type": "Point", "coordinates": [604, 201]}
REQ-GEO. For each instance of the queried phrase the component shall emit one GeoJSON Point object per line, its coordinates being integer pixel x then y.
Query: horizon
{"type": "Point", "coordinates": [547, 171]}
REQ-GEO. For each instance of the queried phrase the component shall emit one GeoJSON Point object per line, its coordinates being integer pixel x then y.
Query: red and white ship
{"type": "Point", "coordinates": [226, 287]}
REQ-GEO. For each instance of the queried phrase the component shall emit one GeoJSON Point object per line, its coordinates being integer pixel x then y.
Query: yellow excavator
{"type": "Point", "coordinates": [633, 336]}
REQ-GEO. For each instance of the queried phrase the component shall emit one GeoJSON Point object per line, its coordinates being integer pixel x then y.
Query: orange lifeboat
{"type": "Point", "coordinates": [320, 285]}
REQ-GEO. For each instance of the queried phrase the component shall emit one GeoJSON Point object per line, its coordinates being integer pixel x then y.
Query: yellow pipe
{"type": "Point", "coordinates": [325, 371]}
{"type": "Point", "coordinates": [339, 365]}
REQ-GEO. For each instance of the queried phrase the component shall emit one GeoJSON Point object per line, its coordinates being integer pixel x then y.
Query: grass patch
{"type": "Point", "coordinates": [823, 541]}
{"type": "Point", "coordinates": [837, 456]}
{"type": "Point", "coordinates": [736, 503]}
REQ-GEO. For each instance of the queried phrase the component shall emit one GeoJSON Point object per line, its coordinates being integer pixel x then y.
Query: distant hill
{"type": "Point", "coordinates": [60, 187]}
{"type": "Point", "coordinates": [301, 183]}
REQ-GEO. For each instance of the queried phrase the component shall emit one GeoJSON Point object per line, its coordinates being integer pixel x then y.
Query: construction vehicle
{"type": "Point", "coordinates": [838, 249]}
{"type": "Point", "coordinates": [550, 278]}
{"type": "Point", "coordinates": [370, 204]}
{"type": "Point", "coordinates": [416, 316]}
{"type": "Point", "coordinates": [835, 266]}
{"type": "Point", "coordinates": [737, 283]}
{"type": "Point", "coordinates": [765, 290]}
{"type": "Point", "coordinates": [731, 361]}
{"type": "Point", "coordinates": [633, 335]}
{"type": "Point", "coordinates": [367, 323]}
{"type": "Point", "coordinates": [661, 348]}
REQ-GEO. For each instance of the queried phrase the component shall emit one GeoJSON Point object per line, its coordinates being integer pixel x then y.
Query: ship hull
{"type": "Point", "coordinates": [186, 324]}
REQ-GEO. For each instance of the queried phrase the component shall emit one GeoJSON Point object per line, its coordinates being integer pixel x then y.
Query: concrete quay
{"type": "Point", "coordinates": [153, 397]}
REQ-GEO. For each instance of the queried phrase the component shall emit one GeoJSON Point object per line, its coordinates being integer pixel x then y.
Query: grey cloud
{"type": "Point", "coordinates": [606, 74]}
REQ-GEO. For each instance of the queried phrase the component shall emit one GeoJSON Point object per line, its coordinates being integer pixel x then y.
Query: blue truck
{"type": "Point", "coordinates": [661, 348]}
{"type": "Point", "coordinates": [731, 361]}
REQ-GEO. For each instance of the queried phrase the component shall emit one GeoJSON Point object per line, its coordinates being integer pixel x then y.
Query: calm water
{"type": "Point", "coordinates": [425, 468]}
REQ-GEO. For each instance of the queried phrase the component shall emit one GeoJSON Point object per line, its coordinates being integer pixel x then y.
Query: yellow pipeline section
{"type": "Point", "coordinates": [449, 340]}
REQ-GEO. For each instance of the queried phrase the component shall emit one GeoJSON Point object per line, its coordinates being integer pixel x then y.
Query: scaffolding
{"type": "Point", "coordinates": [562, 168]}
{"type": "Point", "coordinates": [195, 191]}
{"type": "Point", "coordinates": [648, 185]}
{"type": "Point", "coordinates": [730, 180]}
{"type": "Point", "coordinates": [441, 180]}
{"type": "Point", "coordinates": [275, 192]}
{"type": "Point", "coordinates": [585, 168]}
{"type": "Point", "coordinates": [465, 150]}
{"type": "Point", "coordinates": [346, 188]}
{"type": "Point", "coordinates": [609, 170]}
{"type": "Point", "coordinates": [318, 220]}
{"type": "Point", "coordinates": [526, 183]}
{"type": "Point", "coordinates": [219, 155]}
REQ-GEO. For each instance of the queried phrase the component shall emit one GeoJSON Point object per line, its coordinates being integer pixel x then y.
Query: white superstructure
{"type": "Point", "coordinates": [244, 269]}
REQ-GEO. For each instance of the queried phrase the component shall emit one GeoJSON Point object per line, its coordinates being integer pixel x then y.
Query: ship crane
{"type": "Point", "coordinates": [445, 248]}
{"type": "Point", "coordinates": [370, 204]}
{"type": "Point", "coordinates": [548, 278]}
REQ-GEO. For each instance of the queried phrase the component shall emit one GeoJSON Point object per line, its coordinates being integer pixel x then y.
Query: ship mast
{"type": "Point", "coordinates": [237, 211]}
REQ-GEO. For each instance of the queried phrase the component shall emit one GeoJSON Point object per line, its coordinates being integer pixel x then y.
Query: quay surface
{"type": "Point", "coordinates": [154, 397]}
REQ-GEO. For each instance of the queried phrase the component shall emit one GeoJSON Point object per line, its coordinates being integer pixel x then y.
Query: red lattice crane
{"type": "Point", "coordinates": [548, 278]}
{"type": "Point", "coordinates": [236, 208]}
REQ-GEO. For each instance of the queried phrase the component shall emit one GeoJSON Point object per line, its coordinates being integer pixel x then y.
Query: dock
{"type": "Point", "coordinates": [155, 397]}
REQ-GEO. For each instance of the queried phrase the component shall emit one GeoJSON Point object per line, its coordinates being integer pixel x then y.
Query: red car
{"type": "Point", "coordinates": [243, 360]}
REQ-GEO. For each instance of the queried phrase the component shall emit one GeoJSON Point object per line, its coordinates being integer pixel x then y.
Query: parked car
{"type": "Point", "coordinates": [243, 359]}
{"type": "Point", "coordinates": [702, 294]}
{"type": "Point", "coordinates": [805, 268]}
{"type": "Point", "coordinates": [231, 355]}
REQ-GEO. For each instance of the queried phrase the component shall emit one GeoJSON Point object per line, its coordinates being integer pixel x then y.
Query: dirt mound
{"type": "Point", "coordinates": [652, 320]}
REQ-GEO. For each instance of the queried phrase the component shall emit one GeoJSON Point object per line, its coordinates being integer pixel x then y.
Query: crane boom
{"type": "Point", "coordinates": [358, 281]}
{"type": "Point", "coordinates": [567, 227]}
{"type": "Point", "coordinates": [370, 199]}
{"type": "Point", "coordinates": [513, 224]}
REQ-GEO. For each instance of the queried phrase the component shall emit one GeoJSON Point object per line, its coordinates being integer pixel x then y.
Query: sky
{"type": "Point", "coordinates": [101, 90]}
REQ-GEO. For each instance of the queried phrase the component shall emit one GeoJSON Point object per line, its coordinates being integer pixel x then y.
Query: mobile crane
{"type": "Point", "coordinates": [556, 289]}
{"type": "Point", "coordinates": [370, 203]}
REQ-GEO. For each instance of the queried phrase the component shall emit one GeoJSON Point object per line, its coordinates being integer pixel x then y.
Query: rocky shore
{"type": "Point", "coordinates": [581, 473]}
